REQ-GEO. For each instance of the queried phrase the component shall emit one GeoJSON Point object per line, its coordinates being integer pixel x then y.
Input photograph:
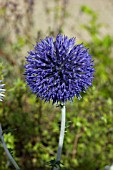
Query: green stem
{"type": "Point", "coordinates": [7, 151]}
{"type": "Point", "coordinates": [61, 137]}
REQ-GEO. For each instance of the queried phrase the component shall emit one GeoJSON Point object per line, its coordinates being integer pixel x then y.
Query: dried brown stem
{"type": "Point", "coordinates": [76, 144]}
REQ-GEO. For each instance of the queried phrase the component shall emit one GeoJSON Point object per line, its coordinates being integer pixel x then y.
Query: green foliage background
{"type": "Point", "coordinates": [31, 127]}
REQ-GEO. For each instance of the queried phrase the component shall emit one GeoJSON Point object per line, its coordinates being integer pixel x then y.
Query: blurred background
{"type": "Point", "coordinates": [30, 126]}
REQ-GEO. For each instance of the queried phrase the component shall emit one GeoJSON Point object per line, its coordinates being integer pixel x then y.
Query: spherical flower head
{"type": "Point", "coordinates": [59, 70]}
{"type": "Point", "coordinates": [2, 90]}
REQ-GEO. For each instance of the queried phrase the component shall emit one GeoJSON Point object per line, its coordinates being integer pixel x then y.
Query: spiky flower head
{"type": "Point", "coordinates": [59, 70]}
{"type": "Point", "coordinates": [2, 90]}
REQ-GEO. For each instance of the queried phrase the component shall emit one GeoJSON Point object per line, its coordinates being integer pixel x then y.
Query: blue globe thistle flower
{"type": "Point", "coordinates": [59, 70]}
{"type": "Point", "coordinates": [2, 90]}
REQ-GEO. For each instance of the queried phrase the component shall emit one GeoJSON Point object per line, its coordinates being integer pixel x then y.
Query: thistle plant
{"type": "Point", "coordinates": [57, 71]}
{"type": "Point", "coordinates": [2, 90]}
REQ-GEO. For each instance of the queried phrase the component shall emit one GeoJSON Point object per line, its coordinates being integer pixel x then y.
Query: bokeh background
{"type": "Point", "coordinates": [30, 126]}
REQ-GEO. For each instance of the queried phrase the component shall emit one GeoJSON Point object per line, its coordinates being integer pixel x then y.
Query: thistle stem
{"type": "Point", "coordinates": [7, 151]}
{"type": "Point", "coordinates": [61, 137]}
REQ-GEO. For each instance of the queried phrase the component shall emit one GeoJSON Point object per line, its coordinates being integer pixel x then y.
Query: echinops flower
{"type": "Point", "coordinates": [2, 90]}
{"type": "Point", "coordinates": [59, 70]}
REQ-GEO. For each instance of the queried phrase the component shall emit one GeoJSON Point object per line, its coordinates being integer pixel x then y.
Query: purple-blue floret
{"type": "Point", "coordinates": [59, 70]}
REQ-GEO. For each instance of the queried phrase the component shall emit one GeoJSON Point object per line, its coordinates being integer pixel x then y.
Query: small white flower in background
{"type": "Point", "coordinates": [107, 167]}
{"type": "Point", "coordinates": [2, 90]}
